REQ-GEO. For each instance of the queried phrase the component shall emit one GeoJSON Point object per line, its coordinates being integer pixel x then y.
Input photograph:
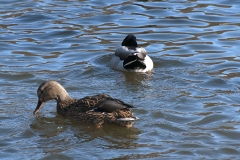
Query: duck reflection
{"type": "Point", "coordinates": [49, 126]}
{"type": "Point", "coordinates": [110, 136]}
{"type": "Point", "coordinates": [67, 132]}
{"type": "Point", "coordinates": [137, 78]}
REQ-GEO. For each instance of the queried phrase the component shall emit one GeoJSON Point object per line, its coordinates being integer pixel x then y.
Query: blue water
{"type": "Point", "coordinates": [188, 107]}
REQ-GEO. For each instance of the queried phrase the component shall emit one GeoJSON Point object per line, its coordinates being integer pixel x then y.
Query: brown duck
{"type": "Point", "coordinates": [97, 109]}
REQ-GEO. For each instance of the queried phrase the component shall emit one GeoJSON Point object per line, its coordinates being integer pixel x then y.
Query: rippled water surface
{"type": "Point", "coordinates": [188, 107]}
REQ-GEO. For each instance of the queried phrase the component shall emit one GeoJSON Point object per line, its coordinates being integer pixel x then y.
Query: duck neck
{"type": "Point", "coordinates": [63, 105]}
{"type": "Point", "coordinates": [62, 96]}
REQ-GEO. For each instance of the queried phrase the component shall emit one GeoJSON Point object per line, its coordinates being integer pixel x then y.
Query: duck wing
{"type": "Point", "coordinates": [101, 103]}
{"type": "Point", "coordinates": [123, 52]}
{"type": "Point", "coordinates": [111, 105]}
{"type": "Point", "coordinates": [133, 61]}
{"type": "Point", "coordinates": [90, 102]}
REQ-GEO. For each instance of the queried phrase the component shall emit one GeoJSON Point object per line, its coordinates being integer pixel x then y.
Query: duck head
{"type": "Point", "coordinates": [50, 90]}
{"type": "Point", "coordinates": [130, 40]}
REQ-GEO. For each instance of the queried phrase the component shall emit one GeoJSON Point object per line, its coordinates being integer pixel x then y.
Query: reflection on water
{"type": "Point", "coordinates": [64, 134]}
{"type": "Point", "coordinates": [188, 107]}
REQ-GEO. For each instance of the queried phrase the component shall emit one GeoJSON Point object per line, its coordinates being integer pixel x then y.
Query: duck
{"type": "Point", "coordinates": [97, 109]}
{"type": "Point", "coordinates": [130, 57]}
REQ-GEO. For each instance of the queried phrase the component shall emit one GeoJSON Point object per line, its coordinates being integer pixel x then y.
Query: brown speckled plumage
{"type": "Point", "coordinates": [97, 109]}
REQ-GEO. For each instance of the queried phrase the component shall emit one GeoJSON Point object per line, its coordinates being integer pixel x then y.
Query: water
{"type": "Point", "coordinates": [188, 107]}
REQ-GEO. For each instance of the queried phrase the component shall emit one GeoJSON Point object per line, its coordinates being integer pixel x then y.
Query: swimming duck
{"type": "Point", "coordinates": [130, 57]}
{"type": "Point", "coordinates": [97, 109]}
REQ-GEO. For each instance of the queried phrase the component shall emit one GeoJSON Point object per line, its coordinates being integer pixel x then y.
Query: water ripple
{"type": "Point", "coordinates": [188, 107]}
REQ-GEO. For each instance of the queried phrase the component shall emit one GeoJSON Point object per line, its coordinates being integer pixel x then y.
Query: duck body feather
{"type": "Point", "coordinates": [97, 109]}
{"type": "Point", "coordinates": [135, 63]}
{"type": "Point", "coordinates": [130, 57]}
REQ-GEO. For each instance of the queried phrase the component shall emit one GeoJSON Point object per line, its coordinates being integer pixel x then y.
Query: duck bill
{"type": "Point", "coordinates": [39, 106]}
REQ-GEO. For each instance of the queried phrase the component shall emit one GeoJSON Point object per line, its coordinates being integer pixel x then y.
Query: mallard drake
{"type": "Point", "coordinates": [97, 109]}
{"type": "Point", "coordinates": [130, 57]}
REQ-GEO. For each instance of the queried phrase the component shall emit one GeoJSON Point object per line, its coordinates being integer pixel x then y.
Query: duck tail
{"type": "Point", "coordinates": [133, 61]}
{"type": "Point", "coordinates": [128, 119]}
{"type": "Point", "coordinates": [126, 122]}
